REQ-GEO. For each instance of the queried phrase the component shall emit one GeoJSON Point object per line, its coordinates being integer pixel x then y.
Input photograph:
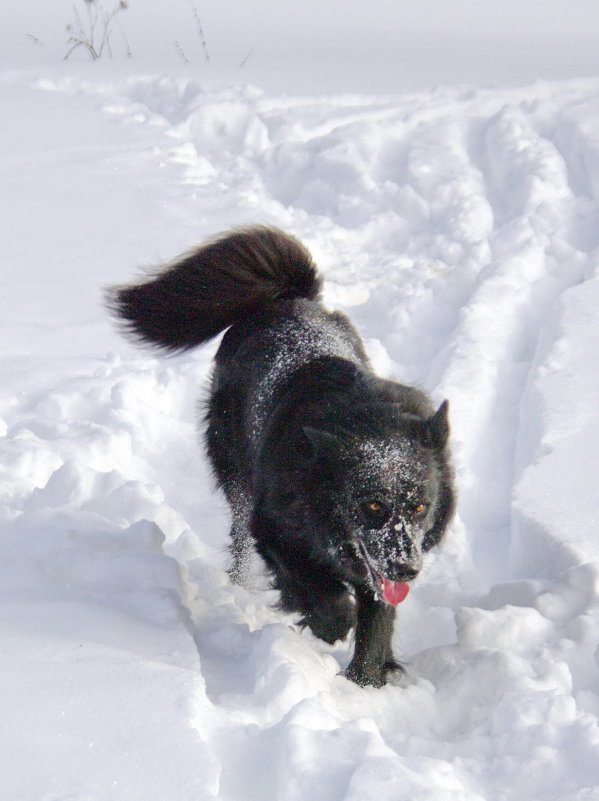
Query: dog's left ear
{"type": "Point", "coordinates": [437, 427]}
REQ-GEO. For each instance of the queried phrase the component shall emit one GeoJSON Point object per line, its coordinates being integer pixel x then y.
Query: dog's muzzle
{"type": "Point", "coordinates": [389, 585]}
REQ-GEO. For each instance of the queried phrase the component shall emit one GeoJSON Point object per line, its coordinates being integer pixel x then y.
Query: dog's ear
{"type": "Point", "coordinates": [316, 443]}
{"type": "Point", "coordinates": [437, 427]}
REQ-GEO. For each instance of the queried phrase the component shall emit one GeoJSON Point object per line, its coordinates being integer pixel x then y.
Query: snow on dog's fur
{"type": "Point", "coordinates": [339, 478]}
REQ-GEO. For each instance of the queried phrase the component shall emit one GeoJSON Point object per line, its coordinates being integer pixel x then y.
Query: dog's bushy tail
{"type": "Point", "coordinates": [214, 286]}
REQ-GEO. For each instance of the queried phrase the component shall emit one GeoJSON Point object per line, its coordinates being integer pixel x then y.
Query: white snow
{"type": "Point", "coordinates": [458, 225]}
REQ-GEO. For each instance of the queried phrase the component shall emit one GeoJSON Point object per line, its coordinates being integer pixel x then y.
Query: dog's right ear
{"type": "Point", "coordinates": [438, 427]}
{"type": "Point", "coordinates": [316, 443]}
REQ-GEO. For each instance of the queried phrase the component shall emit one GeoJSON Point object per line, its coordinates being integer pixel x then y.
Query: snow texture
{"type": "Point", "coordinates": [459, 228]}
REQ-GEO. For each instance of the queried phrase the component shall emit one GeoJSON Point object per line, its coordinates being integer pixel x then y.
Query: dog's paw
{"type": "Point", "coordinates": [371, 677]}
{"type": "Point", "coordinates": [374, 675]}
{"type": "Point", "coordinates": [330, 629]}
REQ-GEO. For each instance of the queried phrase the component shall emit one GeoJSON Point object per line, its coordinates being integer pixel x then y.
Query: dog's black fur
{"type": "Point", "coordinates": [338, 477]}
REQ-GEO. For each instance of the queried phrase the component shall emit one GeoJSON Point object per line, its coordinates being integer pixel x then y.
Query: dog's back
{"type": "Point", "coordinates": [260, 354]}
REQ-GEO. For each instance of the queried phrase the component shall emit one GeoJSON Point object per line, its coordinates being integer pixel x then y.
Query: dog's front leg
{"type": "Point", "coordinates": [373, 657]}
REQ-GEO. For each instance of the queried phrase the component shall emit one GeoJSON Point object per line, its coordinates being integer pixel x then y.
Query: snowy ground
{"type": "Point", "coordinates": [459, 228]}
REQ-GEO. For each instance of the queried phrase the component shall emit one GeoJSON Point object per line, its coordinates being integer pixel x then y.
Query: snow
{"type": "Point", "coordinates": [458, 225]}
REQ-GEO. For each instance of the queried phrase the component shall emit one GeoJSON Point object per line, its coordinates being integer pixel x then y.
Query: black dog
{"type": "Point", "coordinates": [341, 479]}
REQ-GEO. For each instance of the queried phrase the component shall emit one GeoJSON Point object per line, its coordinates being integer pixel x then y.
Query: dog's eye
{"type": "Point", "coordinates": [419, 510]}
{"type": "Point", "coordinates": [375, 512]}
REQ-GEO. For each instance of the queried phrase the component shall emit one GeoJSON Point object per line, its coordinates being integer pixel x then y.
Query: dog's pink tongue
{"type": "Point", "coordinates": [394, 592]}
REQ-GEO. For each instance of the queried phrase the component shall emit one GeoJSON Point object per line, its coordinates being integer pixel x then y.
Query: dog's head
{"type": "Point", "coordinates": [379, 492]}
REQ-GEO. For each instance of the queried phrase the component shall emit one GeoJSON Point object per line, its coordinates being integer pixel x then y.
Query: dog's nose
{"type": "Point", "coordinates": [405, 573]}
